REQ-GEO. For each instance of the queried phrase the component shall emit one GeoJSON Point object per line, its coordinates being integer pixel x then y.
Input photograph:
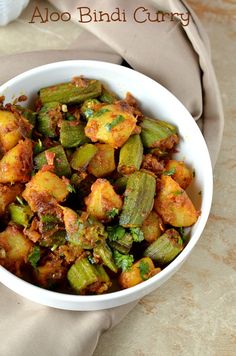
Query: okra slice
{"type": "Point", "coordinates": [71, 93]}
{"type": "Point", "coordinates": [154, 131]}
{"type": "Point", "coordinates": [89, 107]}
{"type": "Point", "coordinates": [165, 248]}
{"type": "Point", "coordinates": [107, 96]}
{"type": "Point", "coordinates": [60, 162]}
{"type": "Point", "coordinates": [131, 155]}
{"type": "Point", "coordinates": [48, 118]}
{"type": "Point", "coordinates": [81, 274]}
{"type": "Point", "coordinates": [139, 198]}
{"type": "Point", "coordinates": [104, 252]}
{"type": "Point", "coordinates": [82, 156]}
{"type": "Point", "coordinates": [72, 135]}
{"type": "Point", "coordinates": [123, 244]}
{"type": "Point", "coordinates": [20, 214]}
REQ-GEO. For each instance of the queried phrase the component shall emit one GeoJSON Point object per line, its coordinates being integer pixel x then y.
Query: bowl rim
{"type": "Point", "coordinates": [73, 298]}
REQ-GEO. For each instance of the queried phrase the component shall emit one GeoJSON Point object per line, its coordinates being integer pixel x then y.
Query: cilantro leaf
{"type": "Point", "coordinates": [34, 256]}
{"type": "Point", "coordinates": [124, 262]}
{"type": "Point", "coordinates": [144, 269]}
{"type": "Point", "coordinates": [70, 188]}
{"type": "Point", "coordinates": [118, 119]}
{"type": "Point", "coordinates": [115, 232]}
{"type": "Point", "coordinates": [137, 234]}
{"type": "Point", "coordinates": [170, 172]}
{"type": "Point", "coordinates": [38, 147]}
{"type": "Point", "coordinates": [112, 213]}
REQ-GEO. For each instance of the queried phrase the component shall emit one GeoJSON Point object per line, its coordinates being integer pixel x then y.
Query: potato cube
{"type": "Point", "coordinates": [111, 124]}
{"type": "Point", "coordinates": [182, 174]}
{"type": "Point", "coordinates": [173, 204]}
{"type": "Point", "coordinates": [16, 164]}
{"type": "Point", "coordinates": [8, 195]}
{"type": "Point", "coordinates": [102, 200]}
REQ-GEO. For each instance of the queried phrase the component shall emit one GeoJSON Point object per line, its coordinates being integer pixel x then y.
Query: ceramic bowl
{"type": "Point", "coordinates": [155, 101]}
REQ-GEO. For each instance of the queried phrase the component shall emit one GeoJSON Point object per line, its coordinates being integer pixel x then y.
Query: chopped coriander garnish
{"type": "Point", "coordinates": [34, 256]}
{"type": "Point", "coordinates": [137, 234]}
{"type": "Point", "coordinates": [70, 188]}
{"type": "Point", "coordinates": [170, 172]}
{"type": "Point", "coordinates": [124, 262]}
{"type": "Point", "coordinates": [144, 270]}
{"type": "Point", "coordinates": [112, 213]}
{"type": "Point", "coordinates": [88, 113]}
{"type": "Point", "coordinates": [115, 122]}
{"type": "Point", "coordinates": [91, 259]}
{"type": "Point", "coordinates": [101, 112]}
{"type": "Point", "coordinates": [115, 232]}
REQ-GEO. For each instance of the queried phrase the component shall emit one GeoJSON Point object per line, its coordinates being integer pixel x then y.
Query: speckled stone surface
{"type": "Point", "coordinates": [194, 313]}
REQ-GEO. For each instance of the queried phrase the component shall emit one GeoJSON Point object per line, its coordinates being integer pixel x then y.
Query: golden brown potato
{"type": "Point", "coordinates": [103, 163]}
{"type": "Point", "coordinates": [173, 204]}
{"type": "Point", "coordinates": [152, 227]}
{"type": "Point", "coordinates": [8, 195]}
{"type": "Point", "coordinates": [50, 273]}
{"type": "Point", "coordinates": [112, 124]}
{"type": "Point", "coordinates": [139, 272]}
{"type": "Point", "coordinates": [102, 200]}
{"type": "Point", "coordinates": [13, 127]}
{"type": "Point", "coordinates": [43, 192]}
{"type": "Point", "coordinates": [16, 164]}
{"type": "Point", "coordinates": [183, 175]}
{"type": "Point", "coordinates": [14, 247]}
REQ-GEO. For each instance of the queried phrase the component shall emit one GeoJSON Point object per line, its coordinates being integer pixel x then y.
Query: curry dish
{"type": "Point", "coordinates": [91, 198]}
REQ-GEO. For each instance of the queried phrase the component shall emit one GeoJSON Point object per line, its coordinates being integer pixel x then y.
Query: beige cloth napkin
{"type": "Point", "coordinates": [176, 56]}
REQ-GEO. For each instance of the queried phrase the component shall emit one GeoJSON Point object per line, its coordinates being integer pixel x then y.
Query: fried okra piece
{"type": "Point", "coordinates": [103, 200]}
{"type": "Point", "coordinates": [16, 165]}
{"type": "Point", "coordinates": [152, 227]}
{"type": "Point", "coordinates": [173, 204]}
{"type": "Point", "coordinates": [103, 162]}
{"type": "Point", "coordinates": [112, 124]}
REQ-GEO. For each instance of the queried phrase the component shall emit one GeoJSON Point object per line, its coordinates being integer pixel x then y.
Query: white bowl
{"type": "Point", "coordinates": [155, 101]}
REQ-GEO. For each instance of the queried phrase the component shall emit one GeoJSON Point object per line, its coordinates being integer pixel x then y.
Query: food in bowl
{"type": "Point", "coordinates": [91, 197]}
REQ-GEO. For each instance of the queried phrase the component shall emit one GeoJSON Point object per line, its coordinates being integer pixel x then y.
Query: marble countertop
{"type": "Point", "coordinates": [194, 313]}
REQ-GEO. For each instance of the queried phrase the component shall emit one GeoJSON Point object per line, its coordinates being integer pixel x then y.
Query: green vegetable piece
{"type": "Point", "coordinates": [81, 274]}
{"type": "Point", "coordinates": [71, 93]}
{"type": "Point", "coordinates": [137, 234]}
{"type": "Point", "coordinates": [120, 184]}
{"type": "Point", "coordinates": [54, 241]}
{"type": "Point", "coordinates": [170, 172]}
{"type": "Point", "coordinates": [34, 256]}
{"type": "Point", "coordinates": [28, 114]}
{"type": "Point", "coordinates": [107, 96]}
{"type": "Point", "coordinates": [101, 274]}
{"type": "Point", "coordinates": [115, 232]}
{"type": "Point", "coordinates": [49, 222]}
{"type": "Point", "coordinates": [48, 118]}
{"type": "Point", "coordinates": [122, 244]}
{"type": "Point", "coordinates": [131, 155]}
{"type": "Point", "coordinates": [144, 269]}
{"type": "Point", "coordinates": [118, 119]}
{"type": "Point", "coordinates": [72, 135]}
{"type": "Point", "coordinates": [105, 254]}
{"type": "Point", "coordinates": [38, 147]}
{"type": "Point", "coordinates": [89, 107]}
{"type": "Point", "coordinates": [124, 262]}
{"type": "Point", "coordinates": [138, 202]}
{"type": "Point", "coordinates": [61, 164]}
{"type": "Point", "coordinates": [112, 213]}
{"type": "Point", "coordinates": [165, 248]}
{"type": "Point", "coordinates": [20, 214]}
{"type": "Point", "coordinates": [154, 131]}
{"type": "Point", "coordinates": [82, 156]}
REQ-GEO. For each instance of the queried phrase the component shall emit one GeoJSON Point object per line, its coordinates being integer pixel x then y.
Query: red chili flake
{"type": "Point", "coordinates": [22, 98]}
{"type": "Point", "coordinates": [50, 158]}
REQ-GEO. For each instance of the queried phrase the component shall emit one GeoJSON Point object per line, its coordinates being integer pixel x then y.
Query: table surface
{"type": "Point", "coordinates": [194, 313]}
